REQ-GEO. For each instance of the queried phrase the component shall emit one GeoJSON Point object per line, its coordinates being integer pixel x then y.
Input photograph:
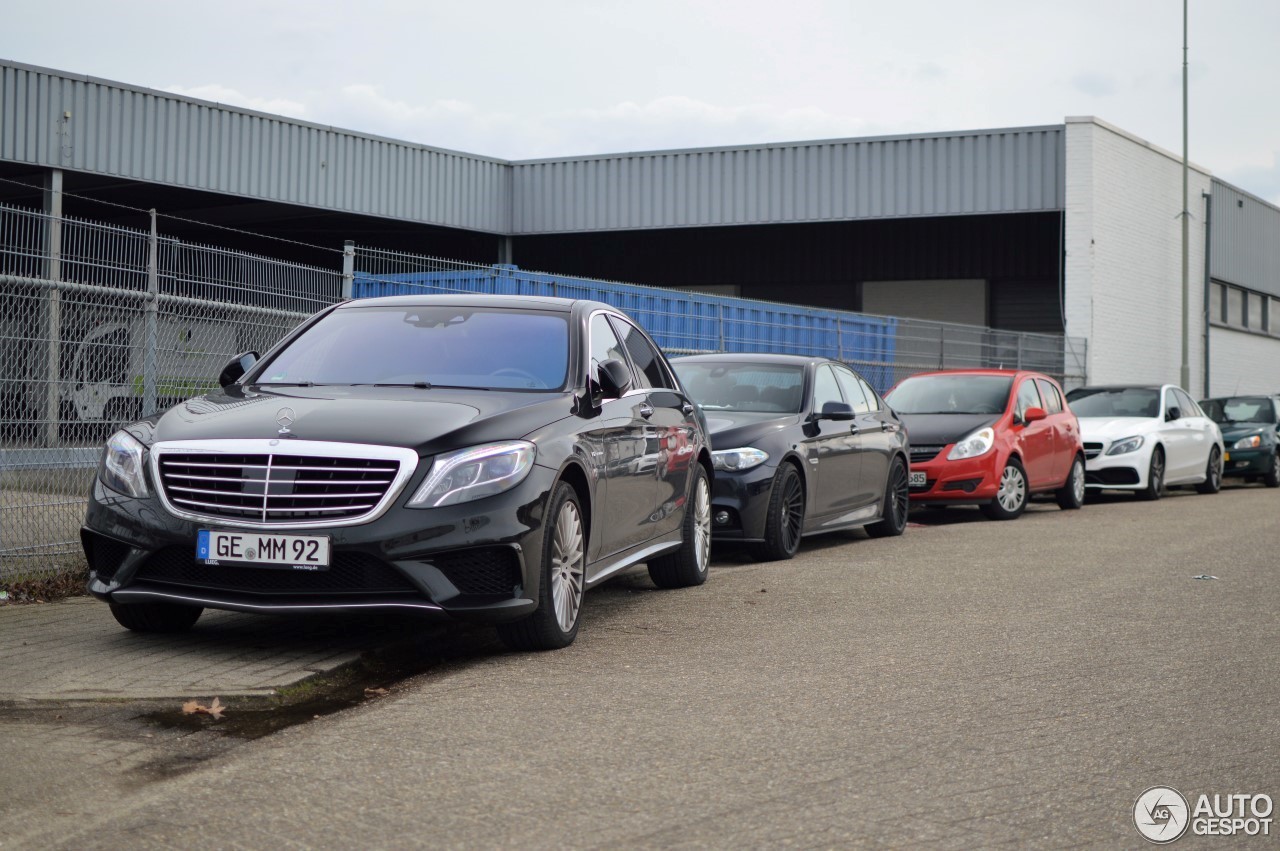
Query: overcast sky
{"type": "Point", "coordinates": [527, 79]}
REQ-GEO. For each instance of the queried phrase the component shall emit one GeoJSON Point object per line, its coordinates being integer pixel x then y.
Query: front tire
{"type": "Point", "coordinates": [784, 522]}
{"type": "Point", "coordinates": [1212, 473]}
{"type": "Point", "coordinates": [897, 501]}
{"type": "Point", "coordinates": [1272, 479]}
{"type": "Point", "coordinates": [155, 617]}
{"type": "Point", "coordinates": [688, 565]}
{"type": "Point", "coordinates": [554, 624]}
{"type": "Point", "coordinates": [1011, 498]}
{"type": "Point", "coordinates": [1071, 495]}
{"type": "Point", "coordinates": [1155, 477]}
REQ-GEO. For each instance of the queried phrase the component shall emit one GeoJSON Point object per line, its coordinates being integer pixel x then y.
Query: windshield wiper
{"type": "Point", "coordinates": [422, 385]}
{"type": "Point", "coordinates": [286, 384]}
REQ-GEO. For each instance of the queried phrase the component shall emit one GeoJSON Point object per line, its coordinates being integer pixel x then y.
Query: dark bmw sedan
{"type": "Point", "coordinates": [801, 446]}
{"type": "Point", "coordinates": [483, 457]}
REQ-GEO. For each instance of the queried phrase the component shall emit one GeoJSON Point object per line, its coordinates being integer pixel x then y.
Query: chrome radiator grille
{"type": "Point", "coordinates": [279, 487]}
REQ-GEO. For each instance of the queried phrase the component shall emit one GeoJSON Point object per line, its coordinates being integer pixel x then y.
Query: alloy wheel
{"type": "Point", "coordinates": [1013, 489]}
{"type": "Point", "coordinates": [1077, 480]}
{"type": "Point", "coordinates": [567, 566]}
{"type": "Point", "coordinates": [792, 514]}
{"type": "Point", "coordinates": [702, 524]}
{"type": "Point", "coordinates": [1215, 468]}
{"type": "Point", "coordinates": [900, 501]}
{"type": "Point", "coordinates": [1157, 472]}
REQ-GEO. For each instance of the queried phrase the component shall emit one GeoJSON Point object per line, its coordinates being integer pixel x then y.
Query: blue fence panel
{"type": "Point", "coordinates": [681, 322]}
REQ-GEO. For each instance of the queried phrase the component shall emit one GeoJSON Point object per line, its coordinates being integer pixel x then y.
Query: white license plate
{"type": "Point", "coordinates": [301, 552]}
{"type": "Point", "coordinates": [917, 480]}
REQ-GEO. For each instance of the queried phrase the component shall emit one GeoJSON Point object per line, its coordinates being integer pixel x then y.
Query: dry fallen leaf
{"type": "Point", "coordinates": [213, 710]}
{"type": "Point", "coordinates": [375, 692]}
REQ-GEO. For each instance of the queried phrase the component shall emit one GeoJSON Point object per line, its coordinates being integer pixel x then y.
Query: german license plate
{"type": "Point", "coordinates": [917, 480]}
{"type": "Point", "coordinates": [300, 552]}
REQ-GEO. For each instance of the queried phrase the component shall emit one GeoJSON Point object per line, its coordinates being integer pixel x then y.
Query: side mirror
{"type": "Point", "coordinates": [836, 411]}
{"type": "Point", "coordinates": [615, 378]}
{"type": "Point", "coordinates": [236, 368]}
{"type": "Point", "coordinates": [1173, 414]}
{"type": "Point", "coordinates": [1033, 415]}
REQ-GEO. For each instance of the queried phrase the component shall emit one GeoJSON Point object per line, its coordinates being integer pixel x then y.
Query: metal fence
{"type": "Point", "coordinates": [102, 324]}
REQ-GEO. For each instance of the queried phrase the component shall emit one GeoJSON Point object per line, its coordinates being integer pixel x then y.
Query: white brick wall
{"type": "Point", "coordinates": [1124, 255]}
{"type": "Point", "coordinates": [1240, 362]}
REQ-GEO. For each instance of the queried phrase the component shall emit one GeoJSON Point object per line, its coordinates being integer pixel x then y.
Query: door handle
{"type": "Point", "coordinates": [646, 410]}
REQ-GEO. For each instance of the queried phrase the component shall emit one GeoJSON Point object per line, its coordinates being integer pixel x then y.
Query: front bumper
{"type": "Point", "coordinates": [477, 561]}
{"type": "Point", "coordinates": [1117, 472]}
{"type": "Point", "coordinates": [1247, 462]}
{"type": "Point", "coordinates": [969, 480]}
{"type": "Point", "coordinates": [744, 498]}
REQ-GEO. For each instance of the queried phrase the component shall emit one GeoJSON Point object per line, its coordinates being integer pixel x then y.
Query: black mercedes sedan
{"type": "Point", "coordinates": [801, 446]}
{"type": "Point", "coordinates": [484, 457]}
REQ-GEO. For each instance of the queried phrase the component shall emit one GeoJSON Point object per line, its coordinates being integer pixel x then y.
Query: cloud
{"type": "Point", "coordinates": [1094, 85]}
{"type": "Point", "coordinates": [232, 97]}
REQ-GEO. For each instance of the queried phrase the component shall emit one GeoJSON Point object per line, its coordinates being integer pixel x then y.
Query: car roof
{"type": "Point", "coordinates": [1010, 373]}
{"type": "Point", "coordinates": [522, 302]}
{"type": "Point", "coordinates": [1125, 387]}
{"type": "Point", "coordinates": [751, 357]}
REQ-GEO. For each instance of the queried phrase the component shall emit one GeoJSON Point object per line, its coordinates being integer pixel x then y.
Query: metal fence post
{"type": "Point", "coordinates": [53, 314]}
{"type": "Point", "coordinates": [942, 347]}
{"type": "Point", "coordinates": [721, 324]}
{"type": "Point", "coordinates": [1019, 351]}
{"type": "Point", "coordinates": [348, 268]}
{"type": "Point", "coordinates": [151, 323]}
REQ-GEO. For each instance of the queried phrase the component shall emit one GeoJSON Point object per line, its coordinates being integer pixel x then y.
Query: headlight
{"type": "Point", "coordinates": [978, 443]}
{"type": "Point", "coordinates": [1253, 441]}
{"type": "Point", "coordinates": [736, 460]}
{"type": "Point", "coordinates": [121, 467]}
{"type": "Point", "coordinates": [1126, 444]}
{"type": "Point", "coordinates": [474, 473]}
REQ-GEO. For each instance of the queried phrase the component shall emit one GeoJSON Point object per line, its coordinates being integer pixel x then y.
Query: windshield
{"type": "Point", "coordinates": [1240, 409]}
{"type": "Point", "coordinates": [951, 394]}
{"type": "Point", "coordinates": [428, 345]}
{"type": "Point", "coordinates": [751, 387]}
{"type": "Point", "coordinates": [1114, 402]}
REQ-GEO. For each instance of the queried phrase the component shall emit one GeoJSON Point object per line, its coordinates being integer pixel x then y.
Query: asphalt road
{"type": "Point", "coordinates": [973, 683]}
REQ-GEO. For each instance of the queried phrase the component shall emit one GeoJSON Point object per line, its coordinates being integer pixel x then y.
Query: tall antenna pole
{"type": "Point", "coordinates": [1186, 219]}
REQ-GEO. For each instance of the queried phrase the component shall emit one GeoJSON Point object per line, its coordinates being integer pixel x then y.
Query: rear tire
{"type": "Point", "coordinates": [554, 624]}
{"type": "Point", "coordinates": [1155, 477]}
{"type": "Point", "coordinates": [1011, 499]}
{"type": "Point", "coordinates": [1272, 479]}
{"type": "Point", "coordinates": [688, 565]}
{"type": "Point", "coordinates": [155, 617]}
{"type": "Point", "coordinates": [1071, 495]}
{"type": "Point", "coordinates": [1212, 473]}
{"type": "Point", "coordinates": [897, 502]}
{"type": "Point", "coordinates": [784, 522]}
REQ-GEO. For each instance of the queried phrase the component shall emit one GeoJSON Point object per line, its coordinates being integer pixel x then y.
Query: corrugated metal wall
{"type": "Point", "coordinates": [1244, 240]}
{"type": "Point", "coordinates": [130, 132]}
{"type": "Point", "coordinates": [998, 171]}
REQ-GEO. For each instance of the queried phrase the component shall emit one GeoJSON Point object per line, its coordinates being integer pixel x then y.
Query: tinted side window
{"type": "Point", "coordinates": [647, 361]}
{"type": "Point", "coordinates": [825, 388]}
{"type": "Point", "coordinates": [853, 393]}
{"type": "Point", "coordinates": [1049, 393]}
{"type": "Point", "coordinates": [873, 399]}
{"type": "Point", "coordinates": [1189, 407]}
{"type": "Point", "coordinates": [604, 345]}
{"type": "Point", "coordinates": [1028, 397]}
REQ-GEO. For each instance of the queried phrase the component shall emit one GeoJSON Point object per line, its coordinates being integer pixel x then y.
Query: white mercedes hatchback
{"type": "Point", "coordinates": [1146, 438]}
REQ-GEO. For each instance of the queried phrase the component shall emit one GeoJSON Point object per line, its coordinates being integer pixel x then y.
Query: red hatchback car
{"type": "Point", "coordinates": [990, 437]}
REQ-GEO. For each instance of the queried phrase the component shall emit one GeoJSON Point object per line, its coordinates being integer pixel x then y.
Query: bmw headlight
{"type": "Point", "coordinates": [1126, 445]}
{"type": "Point", "coordinates": [475, 473]}
{"type": "Point", "coordinates": [978, 443]}
{"type": "Point", "coordinates": [121, 467]}
{"type": "Point", "coordinates": [1253, 441]}
{"type": "Point", "coordinates": [736, 460]}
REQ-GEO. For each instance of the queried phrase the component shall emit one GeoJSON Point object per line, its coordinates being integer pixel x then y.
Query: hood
{"type": "Point", "coordinates": [1104, 429]}
{"type": "Point", "coordinates": [736, 429]}
{"type": "Point", "coordinates": [943, 429]}
{"type": "Point", "coordinates": [428, 421]}
{"type": "Point", "coordinates": [1232, 432]}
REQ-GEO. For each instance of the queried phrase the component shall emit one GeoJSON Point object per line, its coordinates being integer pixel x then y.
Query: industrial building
{"type": "Point", "coordinates": [1072, 228]}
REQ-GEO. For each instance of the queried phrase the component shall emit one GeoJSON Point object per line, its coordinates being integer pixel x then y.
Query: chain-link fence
{"type": "Point", "coordinates": [102, 324]}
